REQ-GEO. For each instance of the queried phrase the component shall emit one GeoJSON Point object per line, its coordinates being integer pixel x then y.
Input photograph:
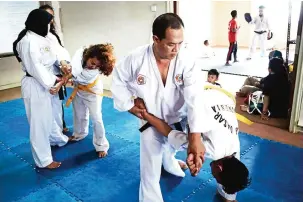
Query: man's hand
{"type": "Point", "coordinates": [140, 103]}
{"type": "Point", "coordinates": [195, 153]}
{"type": "Point", "coordinates": [137, 111]}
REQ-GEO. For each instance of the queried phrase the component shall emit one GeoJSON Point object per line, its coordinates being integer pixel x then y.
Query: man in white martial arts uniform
{"type": "Point", "coordinates": [88, 63]}
{"type": "Point", "coordinates": [166, 79]}
{"type": "Point", "coordinates": [261, 32]}
{"type": "Point", "coordinates": [220, 138]}
{"type": "Point", "coordinates": [37, 58]}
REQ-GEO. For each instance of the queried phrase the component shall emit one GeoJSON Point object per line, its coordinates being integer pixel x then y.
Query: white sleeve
{"type": "Point", "coordinates": [197, 113]}
{"type": "Point", "coordinates": [63, 54]}
{"type": "Point", "coordinates": [267, 23]}
{"type": "Point", "coordinates": [76, 62]}
{"type": "Point", "coordinates": [190, 95]}
{"type": "Point", "coordinates": [37, 70]}
{"type": "Point", "coordinates": [253, 21]}
{"type": "Point", "coordinates": [122, 74]}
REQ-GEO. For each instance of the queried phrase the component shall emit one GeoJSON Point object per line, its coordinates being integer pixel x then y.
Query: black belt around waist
{"type": "Point", "coordinates": [260, 32]}
{"type": "Point", "coordinates": [147, 125]}
{"type": "Point", "coordinates": [62, 91]}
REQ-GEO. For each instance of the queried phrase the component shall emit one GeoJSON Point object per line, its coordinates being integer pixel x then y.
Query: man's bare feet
{"type": "Point", "coordinates": [102, 154]}
{"type": "Point", "coordinates": [53, 165]}
{"type": "Point", "coordinates": [183, 165]}
{"type": "Point", "coordinates": [71, 138]}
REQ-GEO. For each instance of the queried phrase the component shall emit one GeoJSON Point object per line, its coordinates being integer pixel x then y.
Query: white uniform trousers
{"type": "Point", "coordinates": [83, 107]}
{"type": "Point", "coordinates": [39, 116]}
{"type": "Point", "coordinates": [57, 138]}
{"type": "Point", "coordinates": [262, 41]}
{"type": "Point", "coordinates": [155, 152]}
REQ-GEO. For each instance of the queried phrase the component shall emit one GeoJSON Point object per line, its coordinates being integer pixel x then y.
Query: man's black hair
{"type": "Point", "coordinates": [165, 21]}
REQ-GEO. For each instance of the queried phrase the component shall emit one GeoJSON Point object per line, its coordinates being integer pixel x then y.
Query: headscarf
{"type": "Point", "coordinates": [52, 25]}
{"type": "Point", "coordinates": [37, 22]}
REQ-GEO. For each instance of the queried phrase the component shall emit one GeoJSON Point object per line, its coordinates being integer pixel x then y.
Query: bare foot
{"type": "Point", "coordinates": [102, 154]}
{"type": "Point", "coordinates": [183, 165]}
{"type": "Point", "coordinates": [71, 138]}
{"type": "Point", "coordinates": [53, 165]}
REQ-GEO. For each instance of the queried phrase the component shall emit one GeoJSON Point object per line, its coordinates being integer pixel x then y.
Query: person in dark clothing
{"type": "Point", "coordinates": [276, 90]}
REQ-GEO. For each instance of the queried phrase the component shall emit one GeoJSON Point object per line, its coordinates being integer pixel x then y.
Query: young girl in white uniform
{"type": "Point", "coordinates": [87, 65]}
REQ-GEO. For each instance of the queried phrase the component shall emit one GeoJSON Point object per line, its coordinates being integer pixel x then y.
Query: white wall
{"type": "Point", "coordinates": [196, 16]}
{"type": "Point", "coordinates": [126, 25]}
{"type": "Point", "coordinates": [11, 73]}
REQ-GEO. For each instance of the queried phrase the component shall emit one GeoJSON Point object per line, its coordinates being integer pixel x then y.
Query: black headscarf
{"type": "Point", "coordinates": [37, 22]}
{"type": "Point", "coordinates": [52, 26]}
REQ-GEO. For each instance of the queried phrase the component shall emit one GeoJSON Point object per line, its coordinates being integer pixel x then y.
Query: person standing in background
{"type": "Point", "coordinates": [232, 38]}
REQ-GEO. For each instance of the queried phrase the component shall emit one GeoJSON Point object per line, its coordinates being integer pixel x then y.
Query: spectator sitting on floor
{"type": "Point", "coordinates": [275, 88]}
{"type": "Point", "coordinates": [252, 84]}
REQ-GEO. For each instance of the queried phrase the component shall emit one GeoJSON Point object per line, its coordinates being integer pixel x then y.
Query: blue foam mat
{"type": "Point", "coordinates": [276, 168]}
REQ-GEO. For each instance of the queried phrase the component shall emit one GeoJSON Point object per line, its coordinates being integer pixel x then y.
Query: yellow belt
{"type": "Point", "coordinates": [239, 116]}
{"type": "Point", "coordinates": [86, 88]}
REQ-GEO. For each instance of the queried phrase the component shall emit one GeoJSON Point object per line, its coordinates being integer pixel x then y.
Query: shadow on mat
{"type": "Point", "coordinates": [74, 162]}
{"type": "Point", "coordinates": [170, 181]}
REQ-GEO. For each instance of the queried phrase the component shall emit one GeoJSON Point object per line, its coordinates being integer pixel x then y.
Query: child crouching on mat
{"type": "Point", "coordinates": [220, 138]}
{"type": "Point", "coordinates": [87, 96]}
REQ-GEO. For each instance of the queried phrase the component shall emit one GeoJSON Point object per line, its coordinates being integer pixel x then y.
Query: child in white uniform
{"type": "Point", "coordinates": [87, 65]}
{"type": "Point", "coordinates": [220, 138]}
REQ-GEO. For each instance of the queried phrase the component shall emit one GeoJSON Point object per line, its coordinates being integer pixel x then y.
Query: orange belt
{"type": "Point", "coordinates": [86, 88]}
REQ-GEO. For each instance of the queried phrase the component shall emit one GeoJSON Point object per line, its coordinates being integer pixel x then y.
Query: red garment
{"type": "Point", "coordinates": [232, 36]}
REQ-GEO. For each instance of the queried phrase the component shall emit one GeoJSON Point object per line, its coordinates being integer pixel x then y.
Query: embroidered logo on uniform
{"type": "Point", "coordinates": [45, 49]}
{"type": "Point", "coordinates": [141, 80]}
{"type": "Point", "coordinates": [179, 78]}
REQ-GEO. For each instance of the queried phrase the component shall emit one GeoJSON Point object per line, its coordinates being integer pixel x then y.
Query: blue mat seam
{"type": "Point", "coordinates": [200, 187]}
{"type": "Point", "coordinates": [6, 148]}
{"type": "Point", "coordinates": [250, 148]}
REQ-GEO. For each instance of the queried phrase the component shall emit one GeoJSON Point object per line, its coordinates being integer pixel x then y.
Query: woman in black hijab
{"type": "Point", "coordinates": [34, 52]}
{"type": "Point", "coordinates": [37, 22]}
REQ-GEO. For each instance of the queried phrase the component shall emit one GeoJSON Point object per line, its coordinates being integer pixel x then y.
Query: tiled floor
{"type": "Point", "coordinates": [261, 130]}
